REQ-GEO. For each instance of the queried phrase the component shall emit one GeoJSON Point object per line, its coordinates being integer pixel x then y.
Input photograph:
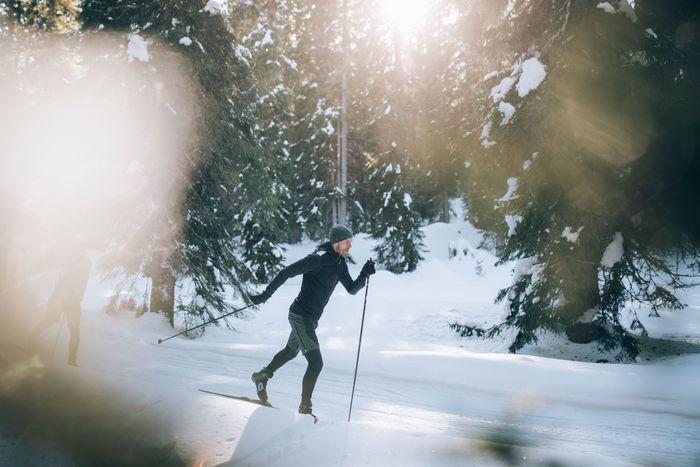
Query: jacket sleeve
{"type": "Point", "coordinates": [351, 286]}
{"type": "Point", "coordinates": [302, 266]}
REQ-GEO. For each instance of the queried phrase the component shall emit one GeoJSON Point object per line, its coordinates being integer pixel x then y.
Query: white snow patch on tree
{"type": "Point", "coordinates": [407, 200]}
{"type": "Point", "coordinates": [485, 135]}
{"type": "Point", "coordinates": [613, 252]}
{"type": "Point", "coordinates": [570, 235]}
{"type": "Point", "coordinates": [185, 41]}
{"type": "Point", "coordinates": [137, 49]}
{"type": "Point", "coordinates": [533, 74]}
{"type": "Point", "coordinates": [527, 164]}
{"type": "Point", "coordinates": [523, 267]}
{"type": "Point", "coordinates": [588, 315]}
{"type": "Point", "coordinates": [512, 186]}
{"type": "Point", "coordinates": [490, 75]}
{"type": "Point", "coordinates": [650, 32]}
{"type": "Point", "coordinates": [508, 110]}
{"type": "Point", "coordinates": [486, 131]}
{"type": "Point", "coordinates": [512, 222]}
{"type": "Point", "coordinates": [329, 130]}
{"type": "Point", "coordinates": [216, 7]}
{"type": "Point", "coordinates": [606, 7]}
{"type": "Point", "coordinates": [627, 9]}
{"type": "Point", "coordinates": [267, 40]}
{"type": "Point", "coordinates": [499, 91]}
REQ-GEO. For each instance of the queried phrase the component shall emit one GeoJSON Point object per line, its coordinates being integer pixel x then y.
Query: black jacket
{"type": "Point", "coordinates": [322, 270]}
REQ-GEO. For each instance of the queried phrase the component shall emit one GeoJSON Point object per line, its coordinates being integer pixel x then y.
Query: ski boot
{"type": "Point", "coordinates": [260, 379]}
{"type": "Point", "coordinates": [305, 407]}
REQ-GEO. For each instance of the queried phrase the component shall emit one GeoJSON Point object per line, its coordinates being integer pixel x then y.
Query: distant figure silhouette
{"type": "Point", "coordinates": [65, 299]}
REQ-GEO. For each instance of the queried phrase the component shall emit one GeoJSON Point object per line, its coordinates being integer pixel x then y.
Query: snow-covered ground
{"type": "Point", "coordinates": [424, 396]}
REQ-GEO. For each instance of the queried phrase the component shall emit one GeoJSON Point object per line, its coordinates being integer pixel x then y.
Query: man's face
{"type": "Point", "coordinates": [343, 248]}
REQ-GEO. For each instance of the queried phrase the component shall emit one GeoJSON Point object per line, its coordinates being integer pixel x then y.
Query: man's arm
{"type": "Point", "coordinates": [302, 266]}
{"type": "Point", "coordinates": [355, 286]}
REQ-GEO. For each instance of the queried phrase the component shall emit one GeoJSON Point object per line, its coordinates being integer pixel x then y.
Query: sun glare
{"type": "Point", "coordinates": [406, 15]}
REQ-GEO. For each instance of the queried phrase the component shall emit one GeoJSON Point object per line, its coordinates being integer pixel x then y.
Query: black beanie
{"type": "Point", "coordinates": [339, 233]}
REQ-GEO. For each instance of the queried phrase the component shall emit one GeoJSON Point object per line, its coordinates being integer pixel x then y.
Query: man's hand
{"type": "Point", "coordinates": [368, 268]}
{"type": "Point", "coordinates": [258, 299]}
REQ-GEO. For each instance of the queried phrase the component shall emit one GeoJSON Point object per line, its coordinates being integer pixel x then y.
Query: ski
{"type": "Point", "coordinates": [241, 398]}
{"type": "Point", "coordinates": [253, 401]}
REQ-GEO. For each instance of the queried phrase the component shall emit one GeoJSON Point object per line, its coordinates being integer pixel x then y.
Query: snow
{"type": "Point", "coordinates": [650, 32]}
{"type": "Point", "coordinates": [137, 49]}
{"type": "Point", "coordinates": [216, 7]}
{"type": "Point", "coordinates": [613, 252]}
{"type": "Point", "coordinates": [424, 396]}
{"type": "Point", "coordinates": [533, 74]}
{"type": "Point", "coordinates": [267, 40]}
{"type": "Point", "coordinates": [571, 235]}
{"type": "Point", "coordinates": [508, 110]}
{"type": "Point", "coordinates": [499, 91]}
{"type": "Point", "coordinates": [512, 186]}
{"type": "Point", "coordinates": [628, 10]}
{"type": "Point", "coordinates": [185, 41]}
{"type": "Point", "coordinates": [485, 132]}
{"type": "Point", "coordinates": [606, 7]}
{"type": "Point", "coordinates": [512, 222]}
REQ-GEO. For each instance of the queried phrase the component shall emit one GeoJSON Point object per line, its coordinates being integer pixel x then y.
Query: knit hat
{"type": "Point", "coordinates": [339, 233]}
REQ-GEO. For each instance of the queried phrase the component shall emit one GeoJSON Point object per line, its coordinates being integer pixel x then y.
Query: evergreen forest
{"type": "Point", "coordinates": [568, 128]}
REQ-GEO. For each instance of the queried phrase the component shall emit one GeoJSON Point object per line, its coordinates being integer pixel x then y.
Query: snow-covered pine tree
{"type": "Point", "coordinates": [397, 224]}
{"type": "Point", "coordinates": [313, 136]}
{"type": "Point", "coordinates": [203, 250]}
{"type": "Point", "coordinates": [581, 145]}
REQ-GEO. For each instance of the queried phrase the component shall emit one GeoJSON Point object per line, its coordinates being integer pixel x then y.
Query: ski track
{"type": "Point", "coordinates": [391, 401]}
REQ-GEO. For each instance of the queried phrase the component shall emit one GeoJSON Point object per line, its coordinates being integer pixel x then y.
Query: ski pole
{"type": "Point", "coordinates": [359, 344]}
{"type": "Point", "coordinates": [160, 341]}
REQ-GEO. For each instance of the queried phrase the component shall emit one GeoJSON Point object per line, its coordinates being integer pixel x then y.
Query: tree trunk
{"type": "Point", "coordinates": [163, 293]}
{"type": "Point", "coordinates": [342, 205]}
{"type": "Point", "coordinates": [445, 208]}
{"type": "Point", "coordinates": [582, 294]}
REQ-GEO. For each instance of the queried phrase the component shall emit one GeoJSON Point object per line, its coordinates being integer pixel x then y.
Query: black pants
{"type": "Point", "coordinates": [54, 310]}
{"type": "Point", "coordinates": [302, 337]}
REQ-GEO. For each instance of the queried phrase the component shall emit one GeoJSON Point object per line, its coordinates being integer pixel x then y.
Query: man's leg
{"type": "Point", "coordinates": [305, 330]}
{"type": "Point", "coordinates": [73, 317]}
{"type": "Point", "coordinates": [310, 377]}
{"type": "Point", "coordinates": [51, 317]}
{"type": "Point", "coordinates": [283, 356]}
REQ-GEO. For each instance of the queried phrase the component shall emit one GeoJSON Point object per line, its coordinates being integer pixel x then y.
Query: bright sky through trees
{"type": "Point", "coordinates": [407, 15]}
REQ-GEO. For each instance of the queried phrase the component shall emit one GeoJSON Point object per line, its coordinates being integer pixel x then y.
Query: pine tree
{"type": "Point", "coordinates": [570, 166]}
{"type": "Point", "coordinates": [397, 224]}
{"type": "Point", "coordinates": [206, 219]}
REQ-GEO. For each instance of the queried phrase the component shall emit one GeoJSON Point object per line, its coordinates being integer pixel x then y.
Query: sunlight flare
{"type": "Point", "coordinates": [406, 15]}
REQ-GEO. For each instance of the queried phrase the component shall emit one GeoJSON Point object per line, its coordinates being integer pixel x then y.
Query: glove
{"type": "Point", "coordinates": [368, 268]}
{"type": "Point", "coordinates": [260, 298]}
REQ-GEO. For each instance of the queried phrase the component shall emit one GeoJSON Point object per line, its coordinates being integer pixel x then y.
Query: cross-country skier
{"type": "Point", "coordinates": [322, 270]}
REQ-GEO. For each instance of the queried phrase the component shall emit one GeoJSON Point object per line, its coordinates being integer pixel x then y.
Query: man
{"type": "Point", "coordinates": [65, 300]}
{"type": "Point", "coordinates": [322, 270]}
